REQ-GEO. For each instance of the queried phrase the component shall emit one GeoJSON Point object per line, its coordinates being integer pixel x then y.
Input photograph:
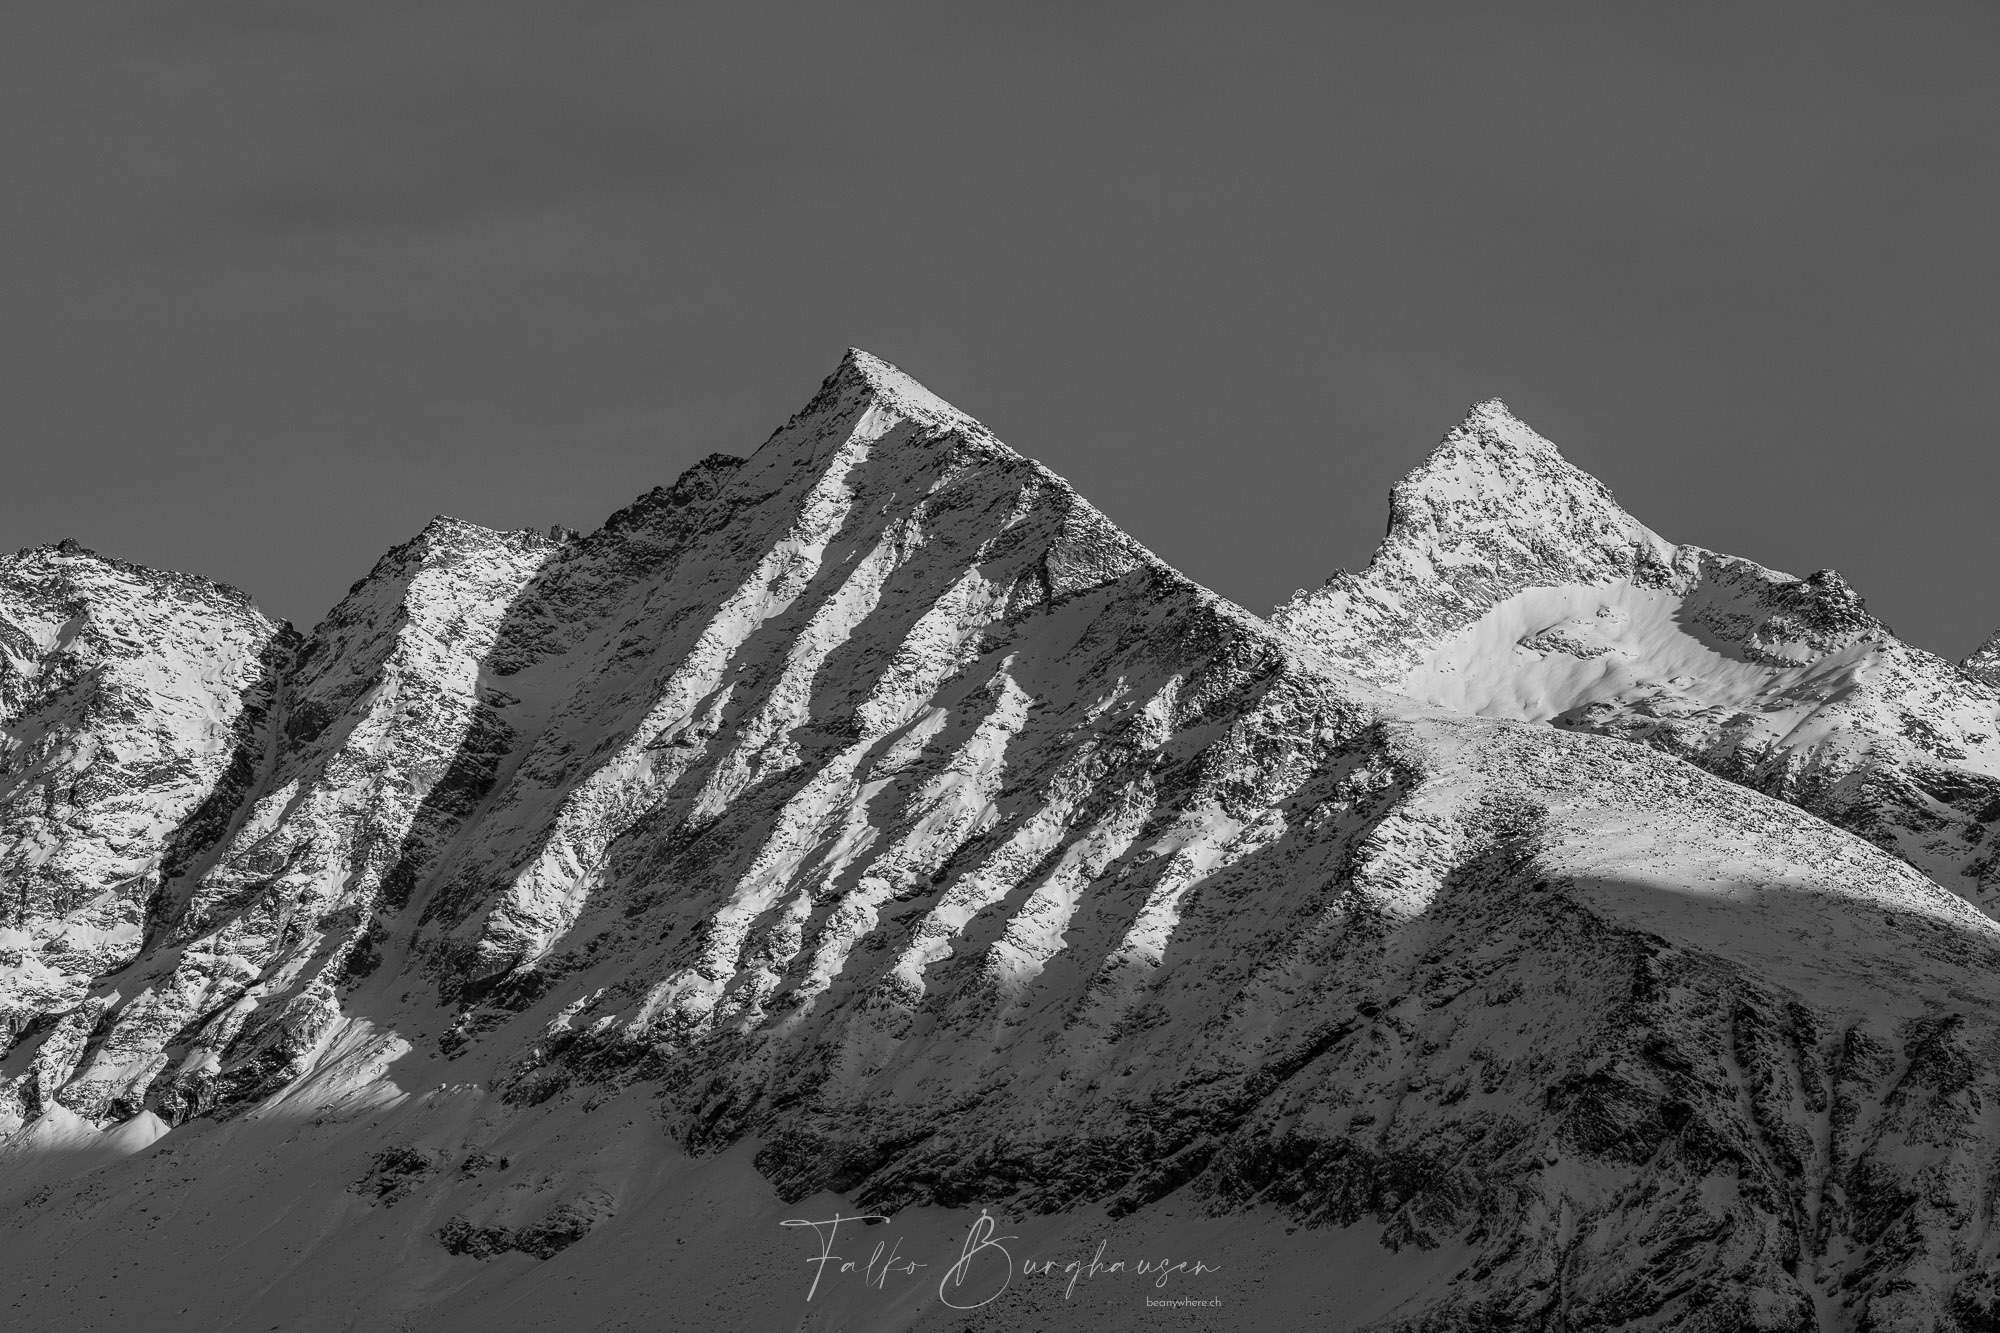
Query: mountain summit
{"type": "Point", "coordinates": [1512, 585]}
{"type": "Point", "coordinates": [867, 825]}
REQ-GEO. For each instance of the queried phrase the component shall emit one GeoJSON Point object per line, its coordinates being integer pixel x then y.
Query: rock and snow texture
{"type": "Point", "coordinates": [134, 707]}
{"type": "Point", "coordinates": [871, 811]}
{"type": "Point", "coordinates": [1512, 585]}
{"type": "Point", "coordinates": [1985, 661]}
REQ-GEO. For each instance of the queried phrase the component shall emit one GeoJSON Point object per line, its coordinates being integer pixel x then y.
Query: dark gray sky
{"type": "Point", "coordinates": [279, 281]}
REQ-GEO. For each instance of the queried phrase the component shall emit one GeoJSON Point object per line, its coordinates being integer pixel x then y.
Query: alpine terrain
{"type": "Point", "coordinates": [1548, 927]}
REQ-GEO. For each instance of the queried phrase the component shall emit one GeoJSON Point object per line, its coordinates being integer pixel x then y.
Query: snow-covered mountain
{"type": "Point", "coordinates": [1511, 584]}
{"type": "Point", "coordinates": [121, 750]}
{"type": "Point", "coordinates": [868, 824]}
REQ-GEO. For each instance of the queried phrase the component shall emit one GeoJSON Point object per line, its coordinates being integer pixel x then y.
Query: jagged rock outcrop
{"type": "Point", "coordinates": [874, 806]}
{"type": "Point", "coordinates": [1984, 663]}
{"type": "Point", "coordinates": [1511, 584]}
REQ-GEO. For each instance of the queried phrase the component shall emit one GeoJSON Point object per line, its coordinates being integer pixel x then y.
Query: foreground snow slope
{"type": "Point", "coordinates": [1512, 585]}
{"type": "Point", "coordinates": [872, 815]}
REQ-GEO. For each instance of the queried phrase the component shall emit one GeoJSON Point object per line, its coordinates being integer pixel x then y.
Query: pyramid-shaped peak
{"type": "Point", "coordinates": [868, 394]}
{"type": "Point", "coordinates": [1491, 422]}
{"type": "Point", "coordinates": [1495, 472]}
{"type": "Point", "coordinates": [886, 381]}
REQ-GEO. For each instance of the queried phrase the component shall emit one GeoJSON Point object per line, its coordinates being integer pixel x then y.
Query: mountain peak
{"type": "Point", "coordinates": [887, 381]}
{"type": "Point", "coordinates": [1490, 422]}
{"type": "Point", "coordinates": [1493, 474]}
{"type": "Point", "coordinates": [1494, 510]}
{"type": "Point", "coordinates": [865, 388]}
{"type": "Point", "coordinates": [448, 532]}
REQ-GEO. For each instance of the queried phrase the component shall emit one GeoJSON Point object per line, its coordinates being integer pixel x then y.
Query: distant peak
{"type": "Point", "coordinates": [1499, 506]}
{"type": "Point", "coordinates": [1490, 421]}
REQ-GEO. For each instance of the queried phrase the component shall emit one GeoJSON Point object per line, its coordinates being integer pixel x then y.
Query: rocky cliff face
{"type": "Point", "coordinates": [1984, 664]}
{"type": "Point", "coordinates": [1512, 585]}
{"type": "Point", "coordinates": [873, 807]}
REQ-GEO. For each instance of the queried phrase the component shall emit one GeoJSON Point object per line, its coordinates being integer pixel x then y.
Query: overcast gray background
{"type": "Point", "coordinates": [279, 281]}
